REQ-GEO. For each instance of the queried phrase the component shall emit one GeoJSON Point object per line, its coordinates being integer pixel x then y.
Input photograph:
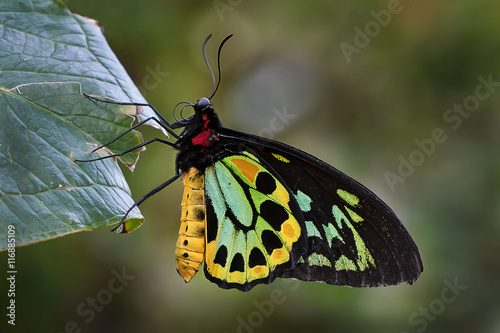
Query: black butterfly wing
{"type": "Point", "coordinates": [354, 238]}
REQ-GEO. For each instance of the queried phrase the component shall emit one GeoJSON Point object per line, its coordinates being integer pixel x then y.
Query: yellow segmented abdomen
{"type": "Point", "coordinates": [191, 242]}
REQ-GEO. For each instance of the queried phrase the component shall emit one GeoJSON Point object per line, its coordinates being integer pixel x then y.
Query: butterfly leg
{"type": "Point", "coordinates": [130, 129]}
{"type": "Point", "coordinates": [129, 150]}
{"type": "Point", "coordinates": [144, 198]}
{"type": "Point", "coordinates": [164, 123]}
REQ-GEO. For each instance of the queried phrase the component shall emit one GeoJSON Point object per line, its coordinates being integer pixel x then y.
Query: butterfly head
{"type": "Point", "coordinates": [203, 111]}
{"type": "Point", "coordinates": [202, 104]}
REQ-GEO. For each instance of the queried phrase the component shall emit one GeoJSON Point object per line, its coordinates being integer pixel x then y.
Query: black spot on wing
{"type": "Point", "coordinates": [221, 256]}
{"type": "Point", "coordinates": [237, 264]}
{"type": "Point", "coordinates": [270, 241]}
{"type": "Point", "coordinates": [256, 258]}
{"type": "Point", "coordinates": [265, 183]}
{"type": "Point", "coordinates": [273, 213]}
{"type": "Point", "coordinates": [211, 222]}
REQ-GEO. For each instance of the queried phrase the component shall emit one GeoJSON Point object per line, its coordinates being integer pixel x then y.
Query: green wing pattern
{"type": "Point", "coordinates": [255, 229]}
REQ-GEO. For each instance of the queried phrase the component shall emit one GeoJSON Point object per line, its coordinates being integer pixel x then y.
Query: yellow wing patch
{"type": "Point", "coordinates": [281, 158]}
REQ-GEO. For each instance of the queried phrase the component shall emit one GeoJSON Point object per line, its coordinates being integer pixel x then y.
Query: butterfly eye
{"type": "Point", "coordinates": [202, 104]}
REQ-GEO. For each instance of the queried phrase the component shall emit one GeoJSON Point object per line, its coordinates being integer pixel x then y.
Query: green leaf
{"type": "Point", "coordinates": [47, 57]}
{"type": "Point", "coordinates": [42, 41]}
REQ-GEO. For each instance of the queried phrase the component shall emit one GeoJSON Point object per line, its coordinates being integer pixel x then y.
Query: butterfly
{"type": "Point", "coordinates": [255, 209]}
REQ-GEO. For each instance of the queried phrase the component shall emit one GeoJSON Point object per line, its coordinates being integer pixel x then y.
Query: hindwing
{"type": "Point", "coordinates": [353, 237]}
{"type": "Point", "coordinates": [254, 226]}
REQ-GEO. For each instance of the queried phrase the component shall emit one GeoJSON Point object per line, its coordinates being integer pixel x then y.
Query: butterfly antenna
{"type": "Point", "coordinates": [206, 61]}
{"type": "Point", "coordinates": [182, 110]}
{"type": "Point", "coordinates": [216, 86]}
{"type": "Point", "coordinates": [173, 112]}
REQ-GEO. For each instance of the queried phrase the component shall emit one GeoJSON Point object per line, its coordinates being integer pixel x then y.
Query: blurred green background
{"type": "Point", "coordinates": [360, 83]}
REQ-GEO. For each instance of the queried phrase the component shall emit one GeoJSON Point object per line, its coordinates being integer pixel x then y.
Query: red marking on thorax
{"type": "Point", "coordinates": [202, 138]}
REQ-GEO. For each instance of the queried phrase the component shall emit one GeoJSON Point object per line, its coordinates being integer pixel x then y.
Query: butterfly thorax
{"type": "Point", "coordinates": [197, 144]}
